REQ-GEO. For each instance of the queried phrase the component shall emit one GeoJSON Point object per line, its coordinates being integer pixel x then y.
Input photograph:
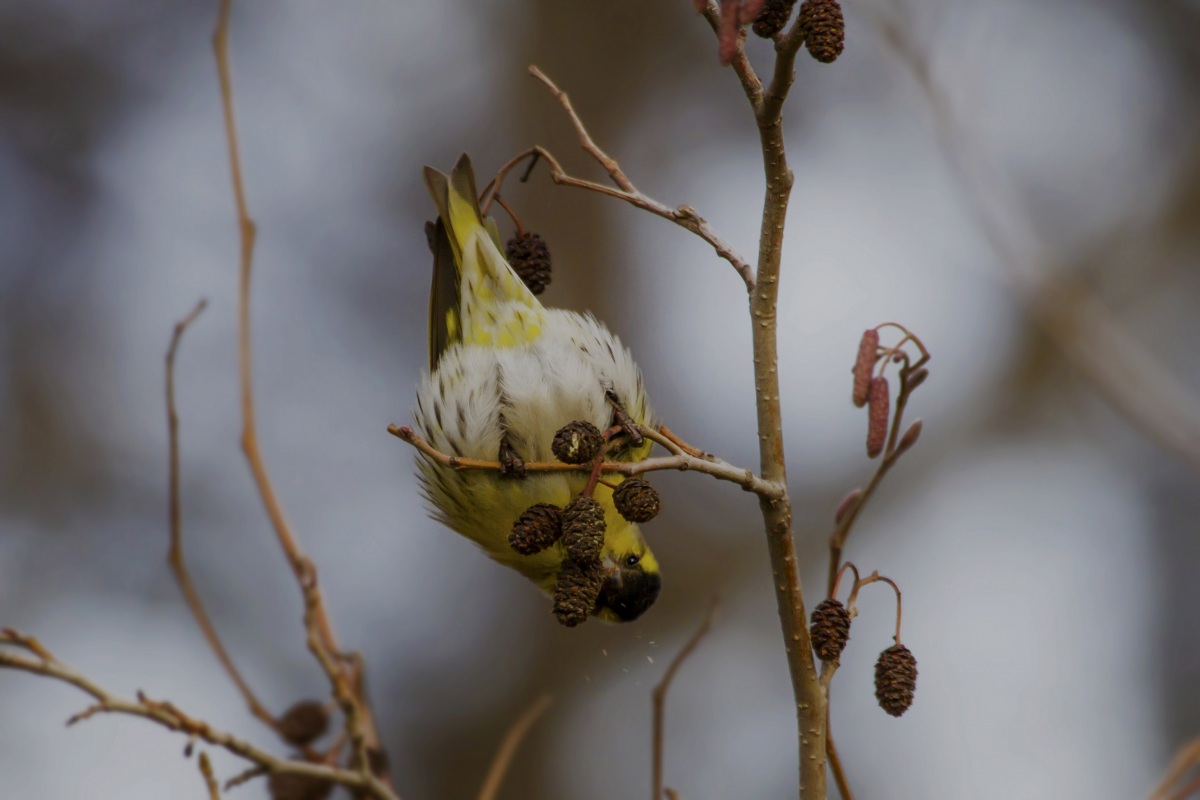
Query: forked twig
{"type": "Point", "coordinates": [508, 747]}
{"type": "Point", "coordinates": [659, 696]}
{"type": "Point", "coordinates": [171, 717]}
{"type": "Point", "coordinates": [684, 216]}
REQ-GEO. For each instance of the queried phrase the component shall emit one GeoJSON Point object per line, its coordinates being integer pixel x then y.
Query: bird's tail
{"type": "Point", "coordinates": [470, 273]}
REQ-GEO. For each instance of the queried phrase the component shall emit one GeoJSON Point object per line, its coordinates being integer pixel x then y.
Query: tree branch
{"type": "Point", "coordinates": [170, 717]}
{"type": "Point", "coordinates": [1123, 371]}
{"type": "Point", "coordinates": [659, 696]}
{"type": "Point", "coordinates": [684, 216]}
{"type": "Point", "coordinates": [807, 691]}
{"type": "Point", "coordinates": [175, 552]}
{"type": "Point", "coordinates": [679, 460]}
{"type": "Point", "coordinates": [508, 747]}
{"type": "Point", "coordinates": [315, 613]}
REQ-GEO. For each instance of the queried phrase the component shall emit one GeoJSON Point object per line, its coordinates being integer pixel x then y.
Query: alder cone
{"type": "Point", "coordinates": [576, 591]}
{"type": "Point", "coordinates": [830, 629]}
{"type": "Point", "coordinates": [895, 679]}
{"type": "Point", "coordinates": [824, 29]}
{"type": "Point", "coordinates": [538, 527]}
{"type": "Point", "coordinates": [583, 529]}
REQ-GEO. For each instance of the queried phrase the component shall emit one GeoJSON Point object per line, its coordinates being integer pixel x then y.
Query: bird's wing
{"type": "Point", "coordinates": [482, 300]}
{"type": "Point", "coordinates": [444, 326]}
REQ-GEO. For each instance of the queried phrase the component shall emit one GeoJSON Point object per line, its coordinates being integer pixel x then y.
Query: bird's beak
{"type": "Point", "coordinates": [612, 571]}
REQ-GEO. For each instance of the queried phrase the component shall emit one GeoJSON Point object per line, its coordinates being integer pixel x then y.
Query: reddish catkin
{"type": "Point", "coordinates": [868, 346]}
{"type": "Point", "coordinates": [877, 416]}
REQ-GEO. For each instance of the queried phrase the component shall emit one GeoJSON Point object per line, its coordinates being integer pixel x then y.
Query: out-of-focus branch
{"type": "Point", "coordinates": [169, 716]}
{"type": "Point", "coordinates": [175, 553]}
{"type": "Point", "coordinates": [1125, 373]}
{"type": "Point", "coordinates": [508, 747]}
{"type": "Point", "coordinates": [684, 216]}
{"type": "Point", "coordinates": [210, 780]}
{"type": "Point", "coordinates": [1186, 759]}
{"type": "Point", "coordinates": [659, 698]}
{"type": "Point", "coordinates": [364, 733]}
{"type": "Point", "coordinates": [679, 460]}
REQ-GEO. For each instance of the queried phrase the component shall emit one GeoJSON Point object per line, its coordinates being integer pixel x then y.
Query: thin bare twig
{"type": "Point", "coordinates": [659, 696]}
{"type": "Point", "coordinates": [679, 460]}
{"type": "Point", "coordinates": [175, 516]}
{"type": "Point", "coordinates": [684, 216]}
{"type": "Point", "coordinates": [508, 747]}
{"type": "Point", "coordinates": [210, 780]}
{"type": "Point", "coordinates": [875, 577]}
{"type": "Point", "coordinates": [315, 613]}
{"type": "Point", "coordinates": [170, 717]}
{"type": "Point", "coordinates": [835, 762]}
{"type": "Point", "coordinates": [1188, 791]}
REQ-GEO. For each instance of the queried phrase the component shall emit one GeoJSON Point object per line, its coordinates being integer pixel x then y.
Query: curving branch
{"type": "Point", "coordinates": [659, 697]}
{"type": "Point", "coordinates": [175, 557]}
{"type": "Point", "coordinates": [508, 747]}
{"type": "Point", "coordinates": [166, 714]}
{"type": "Point", "coordinates": [684, 216]}
{"type": "Point", "coordinates": [361, 726]}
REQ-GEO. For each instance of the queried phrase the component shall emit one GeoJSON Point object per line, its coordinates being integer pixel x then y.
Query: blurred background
{"type": "Point", "coordinates": [1047, 548]}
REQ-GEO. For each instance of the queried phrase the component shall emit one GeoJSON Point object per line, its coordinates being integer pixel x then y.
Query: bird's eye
{"type": "Point", "coordinates": [632, 561]}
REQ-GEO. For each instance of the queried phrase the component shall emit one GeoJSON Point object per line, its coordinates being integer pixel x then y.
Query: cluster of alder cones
{"type": "Point", "coordinates": [580, 526]}
{"type": "Point", "coordinates": [822, 21]}
{"type": "Point", "coordinates": [895, 669]}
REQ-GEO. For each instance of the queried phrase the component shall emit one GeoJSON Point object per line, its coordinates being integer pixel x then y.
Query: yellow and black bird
{"type": "Point", "coordinates": [506, 373]}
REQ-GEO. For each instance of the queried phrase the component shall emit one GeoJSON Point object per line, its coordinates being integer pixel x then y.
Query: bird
{"type": "Point", "coordinates": [506, 373]}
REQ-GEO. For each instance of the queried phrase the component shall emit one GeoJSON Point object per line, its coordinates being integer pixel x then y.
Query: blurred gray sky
{"type": "Point", "coordinates": [1047, 552]}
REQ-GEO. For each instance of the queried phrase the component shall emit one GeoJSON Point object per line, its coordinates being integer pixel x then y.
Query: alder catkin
{"type": "Point", "coordinates": [868, 346]}
{"type": "Point", "coordinates": [878, 412]}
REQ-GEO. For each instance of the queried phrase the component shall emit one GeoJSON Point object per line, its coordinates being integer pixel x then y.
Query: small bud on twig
{"type": "Point", "coordinates": [824, 29]}
{"type": "Point", "coordinates": [830, 629]}
{"type": "Point", "coordinates": [583, 529]}
{"type": "Point", "coordinates": [909, 438]}
{"type": "Point", "coordinates": [915, 379]}
{"type": "Point", "coordinates": [577, 442]}
{"type": "Point", "coordinates": [877, 416]}
{"type": "Point", "coordinates": [848, 502]}
{"type": "Point", "coordinates": [538, 527]}
{"type": "Point", "coordinates": [304, 722]}
{"type": "Point", "coordinates": [863, 366]}
{"type": "Point", "coordinates": [636, 500]}
{"type": "Point", "coordinates": [895, 679]}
